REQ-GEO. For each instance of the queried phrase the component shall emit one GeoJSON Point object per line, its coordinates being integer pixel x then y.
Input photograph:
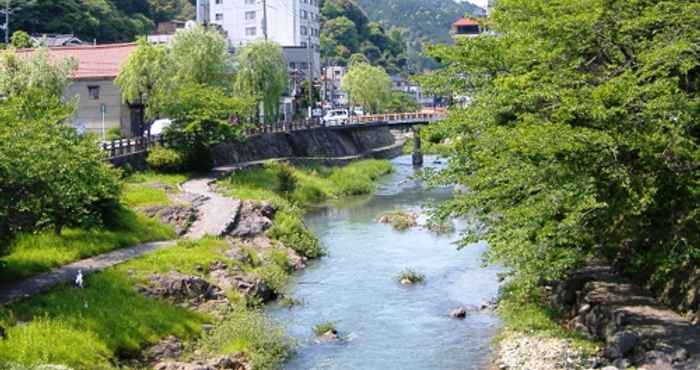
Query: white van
{"type": "Point", "coordinates": [336, 117]}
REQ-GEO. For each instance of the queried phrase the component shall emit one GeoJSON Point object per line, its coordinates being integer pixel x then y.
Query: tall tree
{"type": "Point", "coordinates": [367, 86]}
{"type": "Point", "coordinates": [582, 137]}
{"type": "Point", "coordinates": [144, 78]}
{"type": "Point", "coordinates": [261, 73]}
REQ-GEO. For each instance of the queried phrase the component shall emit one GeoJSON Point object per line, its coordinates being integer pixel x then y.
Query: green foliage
{"type": "Point", "coordinates": [165, 160]}
{"type": "Point", "coordinates": [101, 20]}
{"type": "Point", "coordinates": [261, 73]}
{"type": "Point", "coordinates": [401, 102]}
{"type": "Point", "coordinates": [253, 333]}
{"type": "Point", "coordinates": [21, 40]}
{"type": "Point", "coordinates": [410, 276]}
{"type": "Point", "coordinates": [114, 133]}
{"type": "Point", "coordinates": [582, 137]}
{"type": "Point", "coordinates": [287, 182]}
{"type": "Point", "coordinates": [33, 75]}
{"type": "Point", "coordinates": [200, 55]}
{"type": "Point", "coordinates": [289, 229]}
{"type": "Point", "coordinates": [325, 327]}
{"type": "Point", "coordinates": [346, 30]}
{"type": "Point", "coordinates": [30, 254]}
{"type": "Point", "coordinates": [145, 75]}
{"type": "Point", "coordinates": [106, 318]}
{"type": "Point", "coordinates": [367, 86]}
{"type": "Point", "coordinates": [49, 175]}
{"type": "Point", "coordinates": [201, 119]}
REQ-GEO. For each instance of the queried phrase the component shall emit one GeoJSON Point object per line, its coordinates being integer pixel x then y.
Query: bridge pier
{"type": "Point", "coordinates": [417, 152]}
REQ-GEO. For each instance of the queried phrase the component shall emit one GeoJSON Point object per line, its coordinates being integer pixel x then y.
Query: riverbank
{"type": "Point", "coordinates": [196, 302]}
{"type": "Point", "coordinates": [596, 317]}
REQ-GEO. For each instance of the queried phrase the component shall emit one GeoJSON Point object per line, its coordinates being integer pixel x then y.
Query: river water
{"type": "Point", "coordinates": [387, 326]}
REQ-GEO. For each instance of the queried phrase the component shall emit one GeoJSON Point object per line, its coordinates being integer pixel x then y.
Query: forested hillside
{"type": "Point", "coordinates": [101, 20]}
{"type": "Point", "coordinates": [347, 30]}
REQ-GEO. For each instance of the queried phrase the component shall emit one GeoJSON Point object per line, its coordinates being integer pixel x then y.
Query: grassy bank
{"type": "Point", "coordinates": [291, 189]}
{"type": "Point", "coordinates": [108, 320]}
{"type": "Point", "coordinates": [31, 254]}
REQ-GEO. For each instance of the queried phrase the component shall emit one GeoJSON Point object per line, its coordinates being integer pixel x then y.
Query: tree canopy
{"type": "Point", "coordinates": [367, 86]}
{"type": "Point", "coordinates": [347, 30]}
{"type": "Point", "coordinates": [261, 73]}
{"type": "Point", "coordinates": [582, 136]}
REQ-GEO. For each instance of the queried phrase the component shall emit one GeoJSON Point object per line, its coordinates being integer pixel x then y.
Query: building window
{"type": "Point", "coordinates": [218, 2]}
{"type": "Point", "coordinates": [249, 16]}
{"type": "Point", "coordinates": [94, 92]}
{"type": "Point", "coordinates": [304, 14]}
{"type": "Point", "coordinates": [219, 16]}
{"type": "Point", "coordinates": [303, 44]}
{"type": "Point", "coordinates": [249, 2]}
{"type": "Point", "coordinates": [250, 31]}
{"type": "Point", "coordinates": [304, 31]}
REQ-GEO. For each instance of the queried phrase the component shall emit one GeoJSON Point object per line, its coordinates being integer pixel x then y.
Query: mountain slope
{"type": "Point", "coordinates": [423, 20]}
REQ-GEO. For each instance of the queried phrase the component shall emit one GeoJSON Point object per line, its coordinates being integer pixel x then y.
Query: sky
{"type": "Point", "coordinates": [481, 3]}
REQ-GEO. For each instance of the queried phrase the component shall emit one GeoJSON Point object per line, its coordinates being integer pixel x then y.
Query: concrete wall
{"type": "Point", "coordinates": [313, 144]}
{"type": "Point", "coordinates": [89, 114]}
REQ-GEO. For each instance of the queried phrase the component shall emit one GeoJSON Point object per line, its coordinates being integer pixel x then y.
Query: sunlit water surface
{"type": "Point", "coordinates": [386, 325]}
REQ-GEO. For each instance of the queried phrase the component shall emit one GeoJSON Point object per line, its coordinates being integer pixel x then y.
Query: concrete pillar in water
{"type": "Point", "coordinates": [417, 153]}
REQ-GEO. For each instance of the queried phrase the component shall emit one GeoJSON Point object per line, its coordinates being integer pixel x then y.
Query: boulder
{"type": "Point", "coordinates": [236, 361]}
{"type": "Point", "coordinates": [249, 286]}
{"type": "Point", "coordinates": [620, 344]}
{"type": "Point", "coordinates": [181, 288]}
{"type": "Point", "coordinates": [168, 348]}
{"type": "Point", "coordinates": [254, 218]}
{"type": "Point", "coordinates": [329, 336]}
{"type": "Point", "coordinates": [180, 217]}
{"type": "Point", "coordinates": [458, 313]}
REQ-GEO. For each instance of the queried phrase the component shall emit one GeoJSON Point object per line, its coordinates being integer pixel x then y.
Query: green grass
{"type": "Point", "coordinates": [313, 184]}
{"type": "Point", "coordinates": [89, 328]}
{"type": "Point", "coordinates": [140, 190]}
{"type": "Point", "coordinates": [30, 254]}
{"type": "Point", "coordinates": [324, 327]}
{"type": "Point", "coordinates": [524, 312]}
{"type": "Point", "coordinates": [253, 333]}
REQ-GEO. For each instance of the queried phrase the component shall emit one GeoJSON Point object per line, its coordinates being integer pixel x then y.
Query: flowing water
{"type": "Point", "coordinates": [385, 325]}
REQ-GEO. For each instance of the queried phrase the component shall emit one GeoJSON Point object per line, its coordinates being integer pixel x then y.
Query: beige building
{"type": "Point", "coordinates": [100, 105]}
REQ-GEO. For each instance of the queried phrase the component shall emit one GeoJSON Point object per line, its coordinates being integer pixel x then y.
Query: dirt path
{"type": "Point", "coordinates": [38, 284]}
{"type": "Point", "coordinates": [217, 212]}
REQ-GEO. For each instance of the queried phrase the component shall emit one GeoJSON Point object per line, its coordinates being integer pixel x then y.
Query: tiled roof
{"type": "Point", "coordinates": [94, 61]}
{"type": "Point", "coordinates": [465, 22]}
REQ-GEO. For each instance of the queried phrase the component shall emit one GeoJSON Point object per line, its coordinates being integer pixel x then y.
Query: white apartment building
{"type": "Point", "coordinates": [289, 22]}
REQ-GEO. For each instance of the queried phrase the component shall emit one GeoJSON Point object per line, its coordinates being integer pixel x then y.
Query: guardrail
{"type": "Point", "coordinates": [123, 147]}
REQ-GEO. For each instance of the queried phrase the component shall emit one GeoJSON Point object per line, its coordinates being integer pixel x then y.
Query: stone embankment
{"type": "Point", "coordinates": [636, 331]}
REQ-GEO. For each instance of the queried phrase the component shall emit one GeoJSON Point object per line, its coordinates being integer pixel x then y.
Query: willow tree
{"type": "Point", "coordinates": [261, 73]}
{"type": "Point", "coordinates": [368, 86]}
{"type": "Point", "coordinates": [582, 137]}
{"type": "Point", "coordinates": [144, 76]}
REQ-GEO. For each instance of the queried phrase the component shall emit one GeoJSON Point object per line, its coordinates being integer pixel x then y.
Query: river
{"type": "Point", "coordinates": [386, 325]}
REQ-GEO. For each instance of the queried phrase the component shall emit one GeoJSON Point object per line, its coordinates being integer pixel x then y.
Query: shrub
{"type": "Point", "coordinates": [114, 133]}
{"type": "Point", "coordinates": [165, 160]}
{"type": "Point", "coordinates": [262, 339]}
{"type": "Point", "coordinates": [286, 179]}
{"type": "Point", "coordinates": [410, 277]}
{"type": "Point", "coordinates": [50, 177]}
{"type": "Point", "coordinates": [400, 220]}
{"type": "Point", "coordinates": [291, 231]}
{"type": "Point", "coordinates": [325, 327]}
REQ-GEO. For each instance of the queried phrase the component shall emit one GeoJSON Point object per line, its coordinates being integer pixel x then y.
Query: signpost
{"type": "Point", "coordinates": [103, 109]}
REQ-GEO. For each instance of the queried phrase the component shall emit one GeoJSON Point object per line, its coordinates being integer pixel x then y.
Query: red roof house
{"type": "Point", "coordinates": [100, 104]}
{"type": "Point", "coordinates": [466, 27]}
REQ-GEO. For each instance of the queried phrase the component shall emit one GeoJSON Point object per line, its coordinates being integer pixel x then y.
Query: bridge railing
{"type": "Point", "coordinates": [398, 117]}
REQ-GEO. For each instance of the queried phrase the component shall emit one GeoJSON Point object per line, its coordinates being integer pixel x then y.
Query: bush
{"type": "Point", "coordinates": [410, 277]}
{"type": "Point", "coordinates": [291, 231]}
{"type": "Point", "coordinates": [325, 327]}
{"type": "Point", "coordinates": [253, 333]}
{"type": "Point", "coordinates": [50, 177]}
{"type": "Point", "coordinates": [286, 180]}
{"type": "Point", "coordinates": [114, 133]}
{"type": "Point", "coordinates": [165, 160]}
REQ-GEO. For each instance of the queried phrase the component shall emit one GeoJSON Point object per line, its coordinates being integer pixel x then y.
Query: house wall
{"type": "Point", "coordinates": [89, 114]}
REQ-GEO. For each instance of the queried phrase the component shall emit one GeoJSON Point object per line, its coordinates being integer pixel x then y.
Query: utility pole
{"type": "Point", "coordinates": [6, 25]}
{"type": "Point", "coordinates": [310, 77]}
{"type": "Point", "coordinates": [264, 25]}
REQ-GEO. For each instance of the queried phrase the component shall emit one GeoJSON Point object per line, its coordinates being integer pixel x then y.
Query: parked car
{"type": "Point", "coordinates": [358, 111]}
{"type": "Point", "coordinates": [336, 117]}
{"type": "Point", "coordinates": [159, 126]}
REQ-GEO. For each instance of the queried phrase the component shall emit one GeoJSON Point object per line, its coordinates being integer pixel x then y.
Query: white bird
{"type": "Point", "coordinates": [79, 279]}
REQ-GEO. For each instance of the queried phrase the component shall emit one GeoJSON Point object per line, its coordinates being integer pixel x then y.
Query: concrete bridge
{"type": "Point", "coordinates": [121, 151]}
